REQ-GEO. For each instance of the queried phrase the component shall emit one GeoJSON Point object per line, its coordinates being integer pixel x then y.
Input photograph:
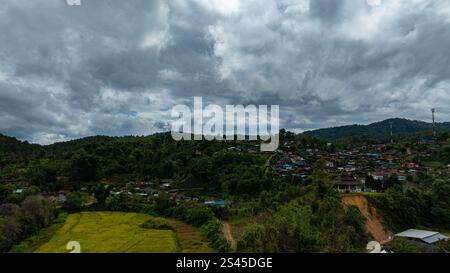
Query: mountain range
{"type": "Point", "coordinates": [380, 129]}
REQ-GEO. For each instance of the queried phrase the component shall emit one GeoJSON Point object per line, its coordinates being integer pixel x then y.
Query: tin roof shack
{"type": "Point", "coordinates": [166, 184]}
{"type": "Point", "coordinates": [385, 174]}
{"type": "Point", "coordinates": [216, 203]}
{"type": "Point", "coordinates": [424, 239]}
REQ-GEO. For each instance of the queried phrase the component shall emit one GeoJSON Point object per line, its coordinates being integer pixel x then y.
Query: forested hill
{"type": "Point", "coordinates": [375, 132]}
{"type": "Point", "coordinates": [10, 146]}
{"type": "Point", "coordinates": [380, 130]}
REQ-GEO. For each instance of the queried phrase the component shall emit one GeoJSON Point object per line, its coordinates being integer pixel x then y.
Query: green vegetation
{"type": "Point", "coordinates": [157, 223]}
{"type": "Point", "coordinates": [312, 222]}
{"type": "Point", "coordinates": [189, 239]}
{"type": "Point", "coordinates": [161, 185]}
{"type": "Point", "coordinates": [17, 222]}
{"type": "Point", "coordinates": [107, 232]}
{"type": "Point", "coordinates": [121, 232]}
{"type": "Point", "coordinates": [377, 132]}
{"type": "Point", "coordinates": [403, 210]}
{"type": "Point", "coordinates": [198, 216]}
{"type": "Point", "coordinates": [402, 245]}
{"type": "Point", "coordinates": [444, 247]}
{"type": "Point", "coordinates": [31, 244]}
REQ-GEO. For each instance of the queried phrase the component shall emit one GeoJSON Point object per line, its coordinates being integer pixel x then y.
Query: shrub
{"type": "Point", "coordinates": [252, 239]}
{"type": "Point", "coordinates": [212, 231]}
{"type": "Point", "coordinates": [198, 216]}
{"type": "Point", "coordinates": [157, 223]}
{"type": "Point", "coordinates": [402, 245]}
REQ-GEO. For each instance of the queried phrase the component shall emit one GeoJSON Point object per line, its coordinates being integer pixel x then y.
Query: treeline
{"type": "Point", "coordinates": [18, 221]}
{"type": "Point", "coordinates": [13, 151]}
{"type": "Point", "coordinates": [403, 209]}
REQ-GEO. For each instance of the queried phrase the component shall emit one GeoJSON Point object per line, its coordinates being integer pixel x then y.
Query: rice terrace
{"type": "Point", "coordinates": [119, 232]}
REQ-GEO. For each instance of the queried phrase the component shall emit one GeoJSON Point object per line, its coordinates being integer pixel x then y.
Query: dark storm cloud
{"type": "Point", "coordinates": [326, 10]}
{"type": "Point", "coordinates": [117, 67]}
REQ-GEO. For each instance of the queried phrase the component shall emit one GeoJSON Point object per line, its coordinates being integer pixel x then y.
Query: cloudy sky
{"type": "Point", "coordinates": [115, 67]}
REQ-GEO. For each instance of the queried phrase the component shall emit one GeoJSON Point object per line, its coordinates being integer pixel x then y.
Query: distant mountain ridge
{"type": "Point", "coordinates": [377, 129]}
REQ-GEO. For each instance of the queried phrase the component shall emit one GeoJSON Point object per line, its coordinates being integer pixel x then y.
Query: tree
{"type": "Point", "coordinates": [4, 192]}
{"type": "Point", "coordinates": [444, 247]}
{"type": "Point", "coordinates": [199, 216]}
{"type": "Point", "coordinates": [116, 203]}
{"type": "Point", "coordinates": [18, 222]}
{"type": "Point", "coordinates": [44, 177]}
{"type": "Point", "coordinates": [75, 201]}
{"type": "Point", "coordinates": [402, 245]}
{"type": "Point", "coordinates": [373, 184]}
{"type": "Point", "coordinates": [390, 181]}
{"type": "Point", "coordinates": [354, 218]}
{"type": "Point", "coordinates": [163, 203]}
{"type": "Point", "coordinates": [252, 239]}
{"type": "Point", "coordinates": [38, 211]}
{"type": "Point", "coordinates": [10, 232]}
{"type": "Point", "coordinates": [101, 192]}
{"type": "Point", "coordinates": [85, 166]}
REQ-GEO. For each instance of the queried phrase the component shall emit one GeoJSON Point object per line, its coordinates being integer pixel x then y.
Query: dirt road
{"type": "Point", "coordinates": [226, 230]}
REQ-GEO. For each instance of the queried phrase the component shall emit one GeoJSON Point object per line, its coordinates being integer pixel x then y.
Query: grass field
{"type": "Point", "coordinates": [189, 239]}
{"type": "Point", "coordinates": [108, 232]}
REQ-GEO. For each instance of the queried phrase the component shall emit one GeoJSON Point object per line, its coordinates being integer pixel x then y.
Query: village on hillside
{"type": "Point", "coordinates": [355, 170]}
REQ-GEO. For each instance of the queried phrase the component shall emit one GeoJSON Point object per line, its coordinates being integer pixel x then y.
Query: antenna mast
{"type": "Point", "coordinates": [392, 134]}
{"type": "Point", "coordinates": [433, 110]}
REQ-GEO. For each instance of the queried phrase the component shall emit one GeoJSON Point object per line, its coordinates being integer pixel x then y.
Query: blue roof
{"type": "Point", "coordinates": [215, 203]}
{"type": "Point", "coordinates": [434, 238]}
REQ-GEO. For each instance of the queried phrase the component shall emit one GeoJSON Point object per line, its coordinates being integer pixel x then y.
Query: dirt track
{"type": "Point", "coordinates": [226, 230]}
{"type": "Point", "coordinates": [373, 221]}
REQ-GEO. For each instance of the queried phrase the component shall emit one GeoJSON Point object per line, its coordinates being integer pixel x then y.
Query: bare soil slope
{"type": "Point", "coordinates": [373, 221]}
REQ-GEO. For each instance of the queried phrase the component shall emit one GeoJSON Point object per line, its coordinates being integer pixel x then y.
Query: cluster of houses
{"type": "Point", "coordinates": [147, 191]}
{"type": "Point", "coordinates": [56, 197]}
{"type": "Point", "coordinates": [349, 168]}
{"type": "Point", "coordinates": [152, 190]}
{"type": "Point", "coordinates": [288, 161]}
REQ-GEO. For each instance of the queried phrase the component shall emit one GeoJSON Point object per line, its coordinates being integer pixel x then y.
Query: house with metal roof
{"type": "Point", "coordinates": [216, 203]}
{"type": "Point", "coordinates": [428, 237]}
{"type": "Point", "coordinates": [348, 183]}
